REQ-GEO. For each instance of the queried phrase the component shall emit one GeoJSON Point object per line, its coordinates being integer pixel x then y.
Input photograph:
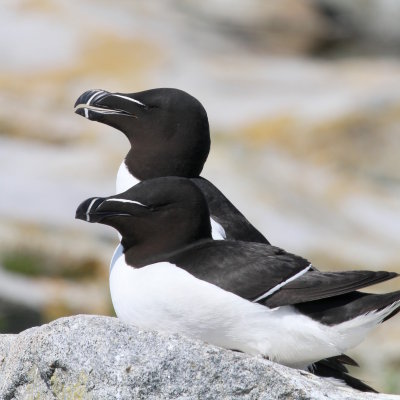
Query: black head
{"type": "Point", "coordinates": [167, 128]}
{"type": "Point", "coordinates": [156, 216]}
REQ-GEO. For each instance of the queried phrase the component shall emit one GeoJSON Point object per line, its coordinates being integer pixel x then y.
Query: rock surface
{"type": "Point", "coordinates": [306, 147]}
{"type": "Point", "coordinates": [92, 357]}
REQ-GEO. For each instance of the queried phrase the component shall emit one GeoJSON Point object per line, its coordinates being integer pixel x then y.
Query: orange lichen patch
{"type": "Point", "coordinates": [56, 310]}
{"type": "Point", "coordinates": [361, 122]}
{"type": "Point", "coordinates": [104, 56]}
{"type": "Point", "coordinates": [38, 101]}
{"type": "Point", "coordinates": [109, 53]}
{"type": "Point", "coordinates": [38, 5]}
{"type": "Point", "coordinates": [356, 152]}
{"type": "Point", "coordinates": [108, 57]}
{"type": "Point", "coordinates": [277, 130]}
{"type": "Point", "coordinates": [354, 141]}
{"type": "Point", "coordinates": [23, 129]}
{"type": "Point", "coordinates": [361, 141]}
{"type": "Point", "coordinates": [300, 135]}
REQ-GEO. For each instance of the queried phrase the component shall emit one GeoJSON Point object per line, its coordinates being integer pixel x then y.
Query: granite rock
{"type": "Point", "coordinates": [93, 357]}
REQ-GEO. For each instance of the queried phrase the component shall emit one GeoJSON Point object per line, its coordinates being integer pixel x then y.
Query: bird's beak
{"type": "Point", "coordinates": [96, 103]}
{"type": "Point", "coordinates": [96, 209]}
{"type": "Point", "coordinates": [86, 211]}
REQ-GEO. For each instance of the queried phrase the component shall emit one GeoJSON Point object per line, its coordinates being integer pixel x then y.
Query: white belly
{"type": "Point", "coordinates": [165, 298]}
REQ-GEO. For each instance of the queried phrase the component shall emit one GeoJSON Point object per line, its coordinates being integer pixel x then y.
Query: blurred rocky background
{"type": "Point", "coordinates": [303, 99]}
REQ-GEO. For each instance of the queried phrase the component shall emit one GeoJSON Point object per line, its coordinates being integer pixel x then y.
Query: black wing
{"type": "Point", "coordinates": [335, 367]}
{"type": "Point", "coordinates": [267, 274]}
{"type": "Point", "coordinates": [316, 285]}
{"type": "Point", "coordinates": [235, 224]}
{"type": "Point", "coordinates": [246, 269]}
{"type": "Point", "coordinates": [337, 309]}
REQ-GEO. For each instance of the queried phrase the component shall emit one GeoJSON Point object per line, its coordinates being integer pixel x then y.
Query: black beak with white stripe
{"type": "Point", "coordinates": [97, 209]}
{"type": "Point", "coordinates": [244, 296]}
{"type": "Point", "coordinates": [95, 104]}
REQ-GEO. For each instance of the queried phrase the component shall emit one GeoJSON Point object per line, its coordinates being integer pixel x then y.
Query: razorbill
{"type": "Point", "coordinates": [169, 135]}
{"type": "Point", "coordinates": [256, 298]}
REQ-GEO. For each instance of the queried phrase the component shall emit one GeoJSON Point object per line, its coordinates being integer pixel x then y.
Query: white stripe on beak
{"type": "Point", "coordinates": [89, 208]}
{"type": "Point", "coordinates": [129, 99]}
{"type": "Point", "coordinates": [88, 102]}
{"type": "Point", "coordinates": [127, 201]}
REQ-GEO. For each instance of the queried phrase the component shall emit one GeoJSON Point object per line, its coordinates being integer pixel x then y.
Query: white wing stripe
{"type": "Point", "coordinates": [277, 287]}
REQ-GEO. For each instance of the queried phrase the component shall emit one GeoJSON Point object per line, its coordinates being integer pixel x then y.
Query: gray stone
{"type": "Point", "coordinates": [93, 357]}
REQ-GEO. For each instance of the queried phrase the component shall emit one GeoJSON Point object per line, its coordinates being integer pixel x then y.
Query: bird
{"type": "Point", "coordinates": [169, 135]}
{"type": "Point", "coordinates": [171, 276]}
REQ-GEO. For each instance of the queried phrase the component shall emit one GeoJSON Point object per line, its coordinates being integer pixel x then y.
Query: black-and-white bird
{"type": "Point", "coordinates": [171, 276]}
{"type": "Point", "coordinates": [169, 135]}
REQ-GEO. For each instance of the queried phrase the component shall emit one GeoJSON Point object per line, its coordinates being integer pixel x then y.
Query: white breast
{"type": "Point", "coordinates": [125, 180]}
{"type": "Point", "coordinates": [166, 298]}
{"type": "Point", "coordinates": [118, 252]}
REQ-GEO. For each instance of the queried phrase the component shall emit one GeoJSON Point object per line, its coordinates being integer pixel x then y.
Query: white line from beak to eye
{"type": "Point", "coordinates": [277, 287]}
{"type": "Point", "coordinates": [127, 201]}
{"type": "Point", "coordinates": [129, 99]}
{"type": "Point", "coordinates": [89, 208]}
{"type": "Point", "coordinates": [90, 99]}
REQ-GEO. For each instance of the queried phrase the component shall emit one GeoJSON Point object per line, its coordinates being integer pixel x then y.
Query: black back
{"type": "Point", "coordinates": [235, 224]}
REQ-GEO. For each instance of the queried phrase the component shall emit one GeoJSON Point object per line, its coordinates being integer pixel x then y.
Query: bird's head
{"type": "Point", "coordinates": [167, 128]}
{"type": "Point", "coordinates": [159, 215]}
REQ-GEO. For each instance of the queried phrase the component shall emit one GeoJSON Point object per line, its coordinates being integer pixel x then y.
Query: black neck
{"type": "Point", "coordinates": [155, 239]}
{"type": "Point", "coordinates": [152, 163]}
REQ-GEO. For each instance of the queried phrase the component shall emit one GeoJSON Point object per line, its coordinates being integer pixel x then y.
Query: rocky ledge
{"type": "Point", "coordinates": [93, 357]}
